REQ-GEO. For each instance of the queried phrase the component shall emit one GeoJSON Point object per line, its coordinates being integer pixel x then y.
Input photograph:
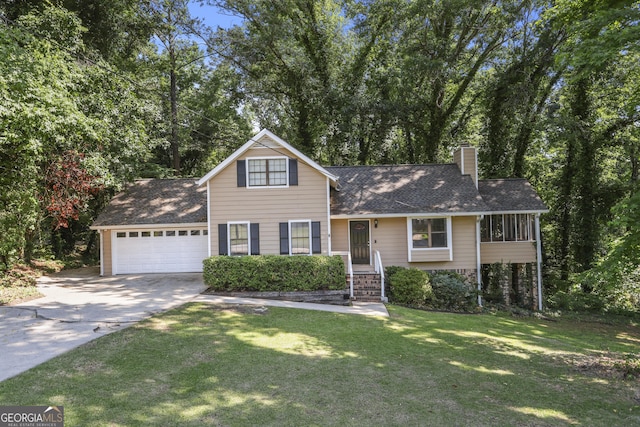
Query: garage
{"type": "Point", "coordinates": [175, 250]}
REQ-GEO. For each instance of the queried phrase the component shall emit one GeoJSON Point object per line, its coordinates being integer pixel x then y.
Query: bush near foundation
{"type": "Point", "coordinates": [452, 291]}
{"type": "Point", "coordinates": [274, 273]}
{"type": "Point", "coordinates": [408, 286]}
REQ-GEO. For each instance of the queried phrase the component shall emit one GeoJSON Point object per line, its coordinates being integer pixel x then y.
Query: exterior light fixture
{"type": "Point", "coordinates": [375, 223]}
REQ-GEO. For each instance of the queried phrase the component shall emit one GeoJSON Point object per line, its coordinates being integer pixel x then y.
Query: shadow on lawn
{"type": "Point", "coordinates": [232, 365]}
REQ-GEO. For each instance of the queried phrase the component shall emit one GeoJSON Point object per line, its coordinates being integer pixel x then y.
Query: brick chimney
{"type": "Point", "coordinates": [466, 157]}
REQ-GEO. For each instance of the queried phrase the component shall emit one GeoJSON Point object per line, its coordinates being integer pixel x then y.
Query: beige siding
{"type": "Point", "coordinates": [469, 154]}
{"type": "Point", "coordinates": [390, 238]}
{"type": "Point", "coordinates": [513, 252]}
{"type": "Point", "coordinates": [107, 257]}
{"type": "Point", "coordinates": [464, 247]}
{"type": "Point", "coordinates": [268, 206]}
{"type": "Point", "coordinates": [339, 235]}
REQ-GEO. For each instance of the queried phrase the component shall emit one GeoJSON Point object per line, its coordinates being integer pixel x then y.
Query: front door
{"type": "Point", "coordinates": [359, 236]}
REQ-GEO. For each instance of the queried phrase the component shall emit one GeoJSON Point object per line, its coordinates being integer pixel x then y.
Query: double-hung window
{"type": "Point", "coordinates": [300, 237]}
{"type": "Point", "coordinates": [429, 233]}
{"type": "Point", "coordinates": [268, 172]}
{"type": "Point", "coordinates": [239, 238]}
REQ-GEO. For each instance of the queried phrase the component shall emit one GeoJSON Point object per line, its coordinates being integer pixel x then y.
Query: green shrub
{"type": "Point", "coordinates": [274, 273]}
{"type": "Point", "coordinates": [408, 286]}
{"type": "Point", "coordinates": [451, 291]}
{"type": "Point", "coordinates": [576, 300]}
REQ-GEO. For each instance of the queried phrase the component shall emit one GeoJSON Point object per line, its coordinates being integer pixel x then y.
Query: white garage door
{"type": "Point", "coordinates": [159, 251]}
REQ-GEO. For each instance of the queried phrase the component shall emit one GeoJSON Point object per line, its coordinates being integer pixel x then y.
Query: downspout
{"type": "Point", "coordinates": [539, 261]}
{"type": "Point", "coordinates": [478, 260]}
{"type": "Point", "coordinates": [209, 217]}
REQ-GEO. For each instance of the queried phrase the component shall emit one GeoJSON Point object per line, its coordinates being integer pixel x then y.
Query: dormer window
{"type": "Point", "coordinates": [267, 172]}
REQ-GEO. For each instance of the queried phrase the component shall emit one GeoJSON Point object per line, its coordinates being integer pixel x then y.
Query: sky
{"type": "Point", "coordinates": [213, 16]}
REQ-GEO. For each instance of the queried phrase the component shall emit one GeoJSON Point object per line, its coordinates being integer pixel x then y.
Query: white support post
{"type": "Point", "coordinates": [539, 261]}
{"type": "Point", "coordinates": [478, 260]}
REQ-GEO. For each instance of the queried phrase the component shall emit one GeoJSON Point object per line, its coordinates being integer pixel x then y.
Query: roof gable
{"type": "Point", "coordinates": [266, 139]}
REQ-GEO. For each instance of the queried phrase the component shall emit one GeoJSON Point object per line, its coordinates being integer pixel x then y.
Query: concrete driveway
{"type": "Point", "coordinates": [80, 306]}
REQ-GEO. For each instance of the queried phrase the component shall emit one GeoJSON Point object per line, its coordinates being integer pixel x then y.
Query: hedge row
{"type": "Point", "coordinates": [273, 273]}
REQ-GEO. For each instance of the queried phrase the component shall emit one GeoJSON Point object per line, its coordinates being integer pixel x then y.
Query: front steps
{"type": "Point", "coordinates": [367, 287]}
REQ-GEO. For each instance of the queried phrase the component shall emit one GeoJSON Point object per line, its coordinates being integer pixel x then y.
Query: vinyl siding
{"type": "Point", "coordinates": [513, 252]}
{"type": "Point", "coordinates": [390, 238]}
{"type": "Point", "coordinates": [107, 255]}
{"type": "Point", "coordinates": [268, 206]}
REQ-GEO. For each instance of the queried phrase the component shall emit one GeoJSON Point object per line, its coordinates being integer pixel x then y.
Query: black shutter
{"type": "Point", "coordinates": [316, 241]}
{"type": "Point", "coordinates": [255, 238]}
{"type": "Point", "coordinates": [222, 239]}
{"type": "Point", "coordinates": [242, 173]}
{"type": "Point", "coordinates": [284, 238]}
{"type": "Point", "coordinates": [293, 172]}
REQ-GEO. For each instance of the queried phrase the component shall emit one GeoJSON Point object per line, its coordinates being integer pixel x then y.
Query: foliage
{"type": "Point", "coordinates": [494, 279]}
{"type": "Point", "coordinates": [409, 286]}
{"type": "Point", "coordinates": [208, 365]}
{"type": "Point", "coordinates": [451, 291]}
{"type": "Point", "coordinates": [273, 273]}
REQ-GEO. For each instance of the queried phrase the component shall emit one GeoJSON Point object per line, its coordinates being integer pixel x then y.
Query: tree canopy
{"type": "Point", "coordinates": [94, 94]}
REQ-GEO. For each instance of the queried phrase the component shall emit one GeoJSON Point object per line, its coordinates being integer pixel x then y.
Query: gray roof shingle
{"type": "Point", "coordinates": [390, 189]}
{"type": "Point", "coordinates": [156, 201]}
{"type": "Point", "coordinates": [514, 194]}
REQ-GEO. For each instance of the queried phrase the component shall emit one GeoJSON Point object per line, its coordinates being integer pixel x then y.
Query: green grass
{"type": "Point", "coordinates": [204, 365]}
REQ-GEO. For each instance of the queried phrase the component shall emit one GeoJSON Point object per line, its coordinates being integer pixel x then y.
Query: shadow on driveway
{"type": "Point", "coordinates": [80, 306]}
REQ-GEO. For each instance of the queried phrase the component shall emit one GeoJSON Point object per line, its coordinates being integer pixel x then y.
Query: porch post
{"type": "Point", "coordinates": [539, 261]}
{"type": "Point", "coordinates": [478, 260]}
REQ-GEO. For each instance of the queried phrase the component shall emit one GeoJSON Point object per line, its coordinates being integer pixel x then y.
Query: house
{"type": "Point", "coordinates": [269, 198]}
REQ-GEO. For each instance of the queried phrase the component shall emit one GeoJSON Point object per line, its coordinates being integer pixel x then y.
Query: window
{"type": "Point", "coordinates": [157, 234]}
{"type": "Point", "coordinates": [268, 172]}
{"type": "Point", "coordinates": [171, 233]}
{"type": "Point", "coordinates": [146, 234]}
{"type": "Point", "coordinates": [121, 234]}
{"type": "Point", "coordinates": [239, 239]}
{"type": "Point", "coordinates": [133, 234]}
{"type": "Point", "coordinates": [429, 233]}
{"type": "Point", "coordinates": [300, 237]}
{"type": "Point", "coordinates": [507, 228]}
{"type": "Point", "coordinates": [195, 232]}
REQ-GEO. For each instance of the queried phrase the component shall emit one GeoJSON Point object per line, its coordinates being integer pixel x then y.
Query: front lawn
{"type": "Point", "coordinates": [240, 365]}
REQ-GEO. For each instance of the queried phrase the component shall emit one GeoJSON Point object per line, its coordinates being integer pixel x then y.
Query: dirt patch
{"type": "Point", "coordinates": [610, 365]}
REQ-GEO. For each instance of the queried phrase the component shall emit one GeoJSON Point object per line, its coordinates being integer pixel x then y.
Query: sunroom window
{"type": "Point", "coordinates": [507, 228]}
{"type": "Point", "coordinates": [268, 172]}
{"type": "Point", "coordinates": [429, 233]}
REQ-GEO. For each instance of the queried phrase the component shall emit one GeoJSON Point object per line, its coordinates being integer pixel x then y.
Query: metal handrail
{"type": "Point", "coordinates": [380, 270]}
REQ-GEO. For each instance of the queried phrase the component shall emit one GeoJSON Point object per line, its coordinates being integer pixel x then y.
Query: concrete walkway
{"type": "Point", "coordinates": [79, 306]}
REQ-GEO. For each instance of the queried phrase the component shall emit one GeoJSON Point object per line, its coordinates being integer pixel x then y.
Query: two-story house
{"type": "Point", "coordinates": [269, 198]}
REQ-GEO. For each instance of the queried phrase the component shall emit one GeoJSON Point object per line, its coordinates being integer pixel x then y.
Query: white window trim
{"type": "Point", "coordinates": [308, 221]}
{"type": "Point", "coordinates": [410, 247]}
{"type": "Point", "coordinates": [286, 163]}
{"type": "Point", "coordinates": [248, 224]}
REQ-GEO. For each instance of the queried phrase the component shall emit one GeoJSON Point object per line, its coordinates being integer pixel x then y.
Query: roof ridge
{"type": "Point", "coordinates": [394, 165]}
